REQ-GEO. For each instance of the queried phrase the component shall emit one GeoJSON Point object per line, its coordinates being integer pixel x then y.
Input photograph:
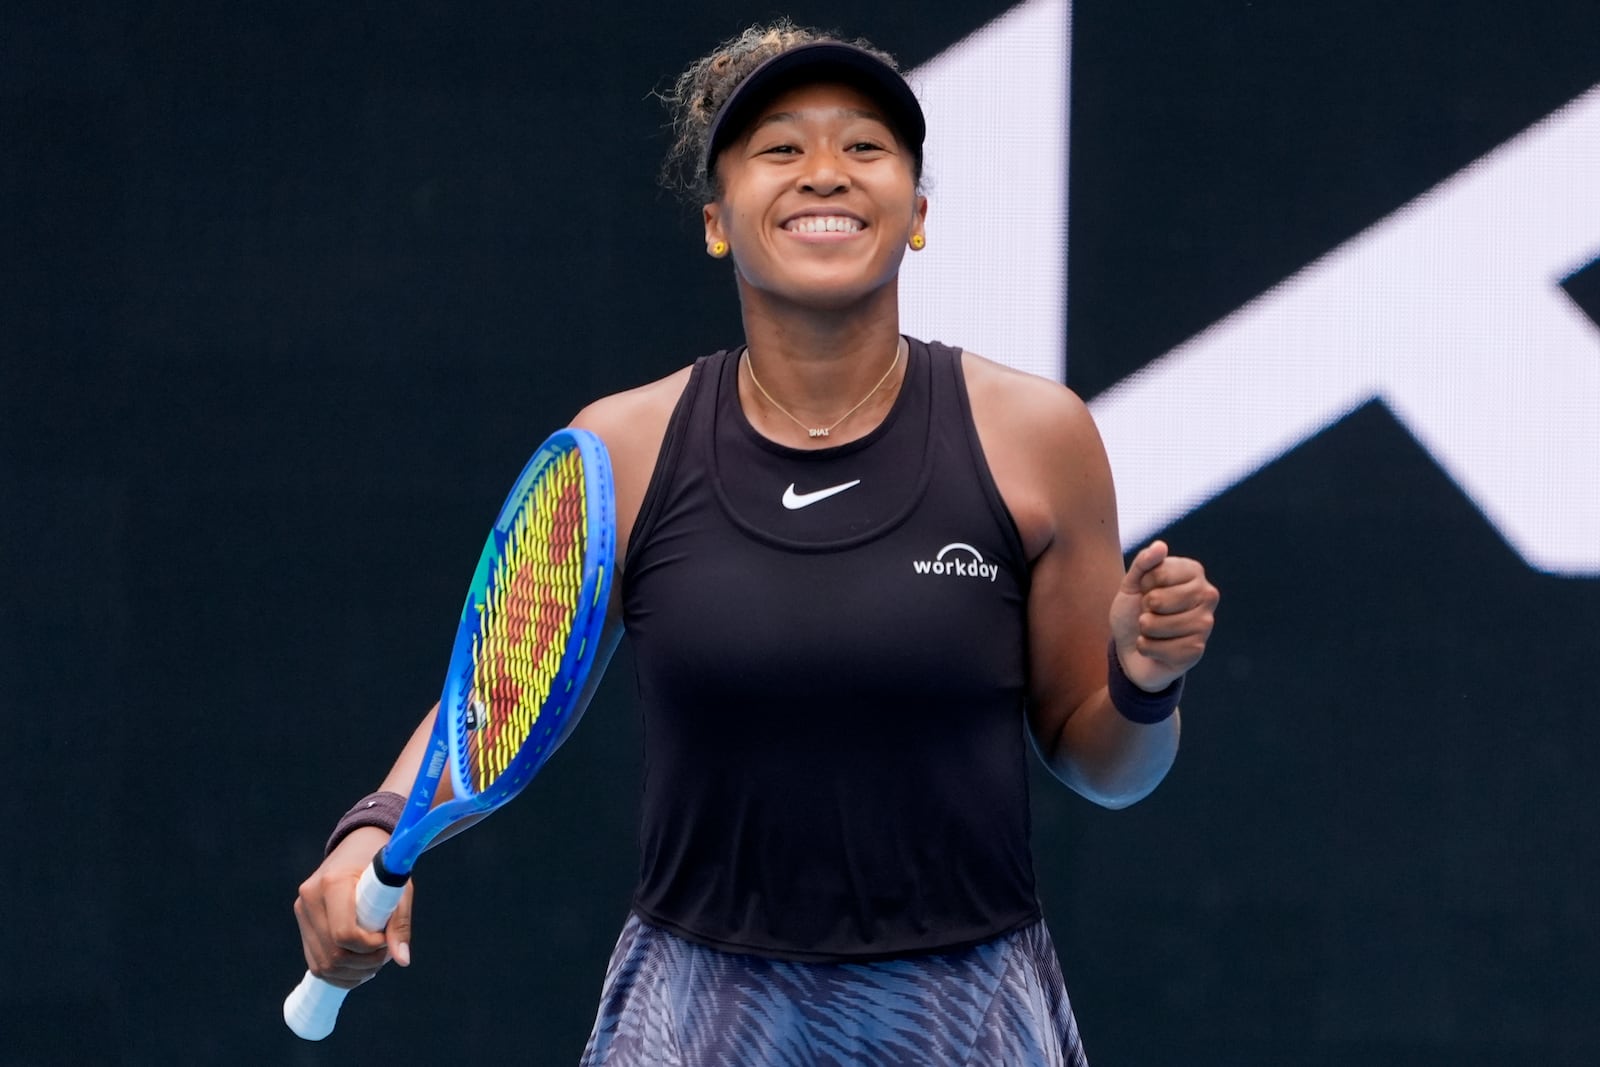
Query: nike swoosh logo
{"type": "Point", "coordinates": [795, 501]}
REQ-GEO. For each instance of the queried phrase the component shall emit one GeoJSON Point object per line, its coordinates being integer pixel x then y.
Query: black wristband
{"type": "Point", "coordinates": [376, 809]}
{"type": "Point", "coordinates": [1135, 704]}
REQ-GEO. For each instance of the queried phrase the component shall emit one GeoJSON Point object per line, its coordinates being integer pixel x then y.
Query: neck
{"type": "Point", "coordinates": [818, 363]}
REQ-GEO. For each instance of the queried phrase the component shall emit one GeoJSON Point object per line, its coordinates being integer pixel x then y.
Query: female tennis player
{"type": "Point", "coordinates": [859, 572]}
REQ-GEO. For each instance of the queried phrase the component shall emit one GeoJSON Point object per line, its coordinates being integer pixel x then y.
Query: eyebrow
{"type": "Point", "coordinates": [794, 116]}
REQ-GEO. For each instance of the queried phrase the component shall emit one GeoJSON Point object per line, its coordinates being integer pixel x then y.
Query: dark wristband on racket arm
{"type": "Point", "coordinates": [1135, 704]}
{"type": "Point", "coordinates": [375, 809]}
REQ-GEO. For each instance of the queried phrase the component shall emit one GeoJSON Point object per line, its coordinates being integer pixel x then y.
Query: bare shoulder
{"type": "Point", "coordinates": [621, 417]}
{"type": "Point", "coordinates": [632, 424]}
{"type": "Point", "coordinates": [1022, 404]}
{"type": "Point", "coordinates": [1041, 446]}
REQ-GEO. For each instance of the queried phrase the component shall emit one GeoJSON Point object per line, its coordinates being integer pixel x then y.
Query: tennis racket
{"type": "Point", "coordinates": [529, 636]}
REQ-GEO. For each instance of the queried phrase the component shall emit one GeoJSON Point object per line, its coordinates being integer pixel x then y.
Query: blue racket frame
{"type": "Point", "coordinates": [420, 822]}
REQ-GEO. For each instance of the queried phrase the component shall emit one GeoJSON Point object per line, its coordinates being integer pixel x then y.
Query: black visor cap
{"type": "Point", "coordinates": [818, 62]}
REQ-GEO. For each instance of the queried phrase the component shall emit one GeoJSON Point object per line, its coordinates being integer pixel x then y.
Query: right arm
{"type": "Point", "coordinates": [336, 948]}
{"type": "Point", "coordinates": [632, 426]}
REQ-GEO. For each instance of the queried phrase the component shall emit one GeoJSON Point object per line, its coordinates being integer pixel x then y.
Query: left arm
{"type": "Point", "coordinates": [1051, 468]}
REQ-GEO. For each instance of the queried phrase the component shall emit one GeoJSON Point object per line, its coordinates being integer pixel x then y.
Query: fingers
{"type": "Point", "coordinates": [1169, 584]}
{"type": "Point", "coordinates": [1155, 629]}
{"type": "Point", "coordinates": [398, 933]}
{"type": "Point", "coordinates": [336, 948]}
{"type": "Point", "coordinates": [339, 966]}
{"type": "Point", "coordinates": [1195, 597]}
{"type": "Point", "coordinates": [332, 902]}
{"type": "Point", "coordinates": [1168, 571]}
{"type": "Point", "coordinates": [1149, 558]}
{"type": "Point", "coordinates": [1177, 654]}
{"type": "Point", "coordinates": [1176, 610]}
{"type": "Point", "coordinates": [347, 972]}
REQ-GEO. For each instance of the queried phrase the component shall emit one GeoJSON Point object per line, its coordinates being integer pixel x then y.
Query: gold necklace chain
{"type": "Point", "coordinates": [822, 431]}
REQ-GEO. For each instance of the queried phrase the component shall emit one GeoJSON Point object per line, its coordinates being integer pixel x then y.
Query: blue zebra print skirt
{"type": "Point", "coordinates": [668, 1002]}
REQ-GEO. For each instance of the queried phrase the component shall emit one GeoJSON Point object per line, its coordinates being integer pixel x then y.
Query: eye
{"type": "Point", "coordinates": [866, 146]}
{"type": "Point", "coordinates": [780, 150]}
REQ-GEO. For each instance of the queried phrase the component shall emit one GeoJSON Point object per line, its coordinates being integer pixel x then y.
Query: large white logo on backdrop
{"type": "Point", "coordinates": [994, 275]}
{"type": "Point", "coordinates": [1449, 311]}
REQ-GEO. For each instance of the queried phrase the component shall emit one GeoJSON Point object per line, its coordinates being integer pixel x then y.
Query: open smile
{"type": "Point", "coordinates": [825, 227]}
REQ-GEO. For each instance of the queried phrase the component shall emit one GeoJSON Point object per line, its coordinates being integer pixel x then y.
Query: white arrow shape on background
{"type": "Point", "coordinates": [1450, 312]}
{"type": "Point", "coordinates": [993, 278]}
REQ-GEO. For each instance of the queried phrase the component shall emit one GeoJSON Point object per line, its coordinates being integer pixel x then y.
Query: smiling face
{"type": "Point", "coordinates": [818, 199]}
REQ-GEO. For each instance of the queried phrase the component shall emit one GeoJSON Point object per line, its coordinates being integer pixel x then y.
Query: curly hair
{"type": "Point", "coordinates": [700, 91]}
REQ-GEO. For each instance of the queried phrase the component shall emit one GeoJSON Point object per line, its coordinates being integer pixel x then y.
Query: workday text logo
{"type": "Point", "coordinates": [957, 560]}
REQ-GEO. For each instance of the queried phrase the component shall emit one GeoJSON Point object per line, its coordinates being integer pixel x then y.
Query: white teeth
{"type": "Point", "coordinates": [824, 224]}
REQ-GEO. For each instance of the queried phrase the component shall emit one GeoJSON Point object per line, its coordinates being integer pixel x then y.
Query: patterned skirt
{"type": "Point", "coordinates": [668, 1002]}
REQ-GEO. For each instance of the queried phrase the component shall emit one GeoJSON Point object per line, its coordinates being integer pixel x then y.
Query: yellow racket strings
{"type": "Point", "coordinates": [527, 619]}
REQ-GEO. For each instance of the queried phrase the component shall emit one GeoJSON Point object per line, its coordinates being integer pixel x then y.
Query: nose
{"type": "Point", "coordinates": [823, 175]}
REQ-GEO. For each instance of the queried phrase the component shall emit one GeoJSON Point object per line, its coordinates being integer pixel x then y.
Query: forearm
{"type": "Point", "coordinates": [403, 775]}
{"type": "Point", "coordinates": [1101, 754]}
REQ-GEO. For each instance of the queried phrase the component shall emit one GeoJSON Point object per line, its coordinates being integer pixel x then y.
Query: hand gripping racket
{"type": "Point", "coordinates": [529, 636]}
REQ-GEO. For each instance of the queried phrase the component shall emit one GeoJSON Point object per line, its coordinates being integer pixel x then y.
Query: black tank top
{"type": "Point", "coordinates": [831, 661]}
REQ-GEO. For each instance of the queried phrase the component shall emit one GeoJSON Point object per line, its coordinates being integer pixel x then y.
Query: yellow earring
{"type": "Point", "coordinates": [918, 242]}
{"type": "Point", "coordinates": [718, 250]}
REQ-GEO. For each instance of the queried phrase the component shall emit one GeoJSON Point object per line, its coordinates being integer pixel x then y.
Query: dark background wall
{"type": "Point", "coordinates": [287, 295]}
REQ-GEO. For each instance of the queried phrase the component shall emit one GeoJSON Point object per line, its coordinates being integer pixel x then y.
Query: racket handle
{"type": "Point", "coordinates": [375, 900]}
{"type": "Point", "coordinates": [312, 1009]}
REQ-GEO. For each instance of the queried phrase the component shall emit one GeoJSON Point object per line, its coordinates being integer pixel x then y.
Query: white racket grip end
{"type": "Point", "coordinates": [313, 1007]}
{"type": "Point", "coordinates": [375, 902]}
